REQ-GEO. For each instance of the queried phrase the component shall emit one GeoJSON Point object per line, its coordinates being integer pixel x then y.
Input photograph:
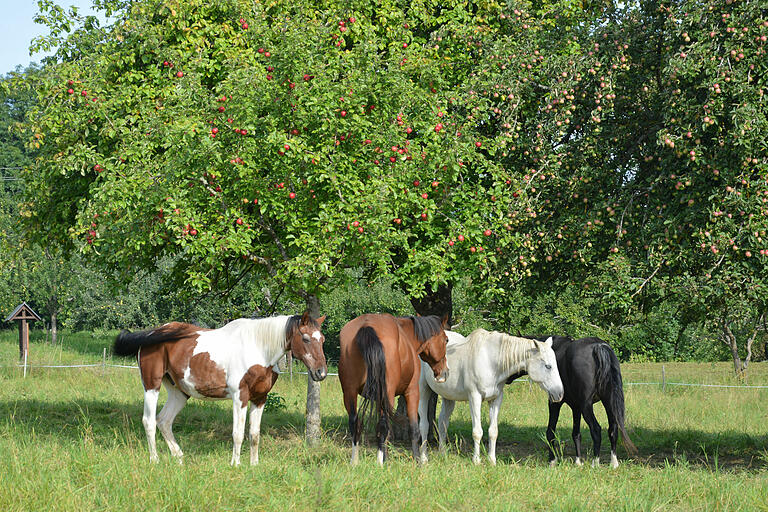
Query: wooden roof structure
{"type": "Point", "coordinates": [23, 312]}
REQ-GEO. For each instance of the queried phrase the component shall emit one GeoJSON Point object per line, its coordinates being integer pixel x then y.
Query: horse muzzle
{"type": "Point", "coordinates": [442, 376]}
{"type": "Point", "coordinates": [556, 395]}
{"type": "Point", "coordinates": [318, 374]}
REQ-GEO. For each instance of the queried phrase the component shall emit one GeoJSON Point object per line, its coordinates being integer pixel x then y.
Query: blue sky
{"type": "Point", "coordinates": [17, 29]}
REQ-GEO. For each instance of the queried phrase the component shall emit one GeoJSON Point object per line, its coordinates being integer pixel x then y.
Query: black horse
{"type": "Point", "coordinates": [590, 373]}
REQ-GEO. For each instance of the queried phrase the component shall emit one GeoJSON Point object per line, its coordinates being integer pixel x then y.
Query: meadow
{"type": "Point", "coordinates": [72, 439]}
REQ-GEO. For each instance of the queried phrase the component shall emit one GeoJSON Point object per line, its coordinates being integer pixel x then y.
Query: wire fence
{"type": "Point", "coordinates": [662, 383]}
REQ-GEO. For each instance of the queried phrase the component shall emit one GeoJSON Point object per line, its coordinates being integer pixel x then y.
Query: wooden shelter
{"type": "Point", "coordinates": [23, 314]}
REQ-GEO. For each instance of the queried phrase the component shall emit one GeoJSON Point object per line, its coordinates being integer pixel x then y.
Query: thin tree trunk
{"type": "Point", "coordinates": [730, 340]}
{"type": "Point", "coordinates": [313, 428]}
{"type": "Point", "coordinates": [54, 328]}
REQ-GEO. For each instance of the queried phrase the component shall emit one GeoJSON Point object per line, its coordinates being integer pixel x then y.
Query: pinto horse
{"type": "Point", "coordinates": [237, 361]}
{"type": "Point", "coordinates": [591, 373]}
{"type": "Point", "coordinates": [480, 365]}
{"type": "Point", "coordinates": [380, 359]}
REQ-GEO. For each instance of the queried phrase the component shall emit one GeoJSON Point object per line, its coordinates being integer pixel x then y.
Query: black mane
{"type": "Point", "coordinates": [426, 326]}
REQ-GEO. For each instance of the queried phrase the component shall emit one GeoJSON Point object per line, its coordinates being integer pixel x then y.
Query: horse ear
{"type": "Point", "coordinates": [445, 321]}
{"type": "Point", "coordinates": [320, 320]}
{"type": "Point", "coordinates": [305, 318]}
{"type": "Point", "coordinates": [548, 343]}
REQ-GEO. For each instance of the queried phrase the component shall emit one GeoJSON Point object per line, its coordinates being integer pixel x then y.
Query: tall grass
{"type": "Point", "coordinates": [72, 439]}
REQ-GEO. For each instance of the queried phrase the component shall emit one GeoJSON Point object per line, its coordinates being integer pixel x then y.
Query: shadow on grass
{"type": "Point", "coordinates": [206, 428]}
{"type": "Point", "coordinates": [728, 450]}
{"type": "Point", "coordinates": [200, 428]}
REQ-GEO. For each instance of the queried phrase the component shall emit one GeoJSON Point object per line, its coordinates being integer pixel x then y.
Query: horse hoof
{"type": "Point", "coordinates": [596, 462]}
{"type": "Point", "coordinates": [492, 460]}
{"type": "Point", "coordinates": [423, 459]}
{"type": "Point", "coordinates": [476, 461]}
{"type": "Point", "coordinates": [578, 462]}
{"type": "Point", "coordinates": [614, 462]}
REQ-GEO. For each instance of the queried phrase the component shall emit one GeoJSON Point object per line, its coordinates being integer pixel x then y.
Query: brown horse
{"type": "Point", "coordinates": [380, 359]}
{"type": "Point", "coordinates": [237, 361]}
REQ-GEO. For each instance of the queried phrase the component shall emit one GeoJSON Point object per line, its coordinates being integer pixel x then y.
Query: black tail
{"type": "Point", "coordinates": [128, 343]}
{"type": "Point", "coordinates": [375, 388]}
{"type": "Point", "coordinates": [611, 389]}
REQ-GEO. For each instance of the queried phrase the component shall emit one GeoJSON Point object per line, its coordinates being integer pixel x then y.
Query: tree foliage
{"type": "Point", "coordinates": [612, 153]}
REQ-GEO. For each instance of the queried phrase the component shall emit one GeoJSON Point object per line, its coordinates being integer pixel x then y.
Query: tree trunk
{"type": "Point", "coordinates": [313, 428]}
{"type": "Point", "coordinates": [54, 328]}
{"type": "Point", "coordinates": [435, 302]}
{"type": "Point", "coordinates": [730, 340]}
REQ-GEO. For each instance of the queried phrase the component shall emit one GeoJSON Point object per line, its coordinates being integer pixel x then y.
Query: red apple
{"type": "Point", "coordinates": [292, 195]}
{"type": "Point", "coordinates": [179, 74]}
{"type": "Point", "coordinates": [487, 232]}
{"type": "Point", "coordinates": [397, 220]}
{"type": "Point", "coordinates": [461, 238]}
{"type": "Point", "coordinates": [239, 221]}
{"type": "Point", "coordinates": [478, 144]}
{"type": "Point", "coordinates": [70, 91]}
{"type": "Point", "coordinates": [416, 183]}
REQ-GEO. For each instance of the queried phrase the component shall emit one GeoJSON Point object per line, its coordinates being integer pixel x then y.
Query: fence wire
{"type": "Point", "coordinates": [134, 367]}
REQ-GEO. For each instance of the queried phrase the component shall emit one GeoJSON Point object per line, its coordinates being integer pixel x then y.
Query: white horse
{"type": "Point", "coordinates": [480, 366]}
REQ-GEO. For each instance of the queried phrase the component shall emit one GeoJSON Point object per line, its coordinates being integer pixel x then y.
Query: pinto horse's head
{"type": "Point", "coordinates": [306, 343]}
{"type": "Point", "coordinates": [431, 332]}
{"type": "Point", "coordinates": [542, 369]}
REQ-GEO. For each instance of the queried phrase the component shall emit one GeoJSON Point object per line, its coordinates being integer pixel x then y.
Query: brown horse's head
{"type": "Point", "coordinates": [306, 341]}
{"type": "Point", "coordinates": [430, 331]}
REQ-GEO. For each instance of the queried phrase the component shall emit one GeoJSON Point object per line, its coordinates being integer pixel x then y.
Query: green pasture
{"type": "Point", "coordinates": [72, 439]}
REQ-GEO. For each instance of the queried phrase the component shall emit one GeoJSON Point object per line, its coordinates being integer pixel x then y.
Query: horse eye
{"type": "Point", "coordinates": [305, 338]}
{"type": "Point", "coordinates": [548, 366]}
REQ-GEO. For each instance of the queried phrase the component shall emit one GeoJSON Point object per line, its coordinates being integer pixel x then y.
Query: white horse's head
{"type": "Point", "coordinates": [542, 369]}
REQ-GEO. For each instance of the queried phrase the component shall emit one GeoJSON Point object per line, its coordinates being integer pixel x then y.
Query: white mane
{"type": "Point", "coordinates": [513, 351]}
{"type": "Point", "coordinates": [268, 332]}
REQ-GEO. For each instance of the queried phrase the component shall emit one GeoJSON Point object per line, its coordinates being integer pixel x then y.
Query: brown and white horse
{"type": "Point", "coordinates": [237, 361]}
{"type": "Point", "coordinates": [380, 359]}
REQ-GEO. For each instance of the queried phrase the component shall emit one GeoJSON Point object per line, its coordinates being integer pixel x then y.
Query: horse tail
{"type": "Point", "coordinates": [128, 343]}
{"type": "Point", "coordinates": [610, 388]}
{"type": "Point", "coordinates": [375, 388]}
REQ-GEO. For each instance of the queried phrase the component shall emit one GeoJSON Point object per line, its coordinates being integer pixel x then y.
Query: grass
{"type": "Point", "coordinates": [72, 439]}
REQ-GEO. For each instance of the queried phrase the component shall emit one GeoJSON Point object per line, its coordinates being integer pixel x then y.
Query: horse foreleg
{"type": "Point", "coordinates": [576, 432]}
{"type": "Point", "coordinates": [442, 423]}
{"type": "Point", "coordinates": [174, 404]}
{"type": "Point", "coordinates": [425, 394]}
{"type": "Point", "coordinates": [493, 426]}
{"type": "Point", "coordinates": [150, 421]}
{"type": "Point", "coordinates": [475, 403]}
{"type": "Point", "coordinates": [554, 414]}
{"type": "Point", "coordinates": [595, 432]}
{"type": "Point", "coordinates": [255, 430]}
{"type": "Point", "coordinates": [239, 412]}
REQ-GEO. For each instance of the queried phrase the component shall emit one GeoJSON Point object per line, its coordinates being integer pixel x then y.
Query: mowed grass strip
{"type": "Point", "coordinates": [72, 439]}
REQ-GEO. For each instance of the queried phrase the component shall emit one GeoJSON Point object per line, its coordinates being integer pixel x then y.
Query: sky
{"type": "Point", "coordinates": [17, 29]}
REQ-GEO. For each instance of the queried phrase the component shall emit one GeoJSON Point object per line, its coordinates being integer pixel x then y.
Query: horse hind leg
{"type": "Point", "coordinates": [382, 433]}
{"type": "Point", "coordinates": [595, 432]}
{"type": "Point", "coordinates": [576, 432]}
{"type": "Point", "coordinates": [176, 401]}
{"type": "Point", "coordinates": [613, 436]}
{"type": "Point", "coordinates": [350, 403]}
{"type": "Point", "coordinates": [149, 420]}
